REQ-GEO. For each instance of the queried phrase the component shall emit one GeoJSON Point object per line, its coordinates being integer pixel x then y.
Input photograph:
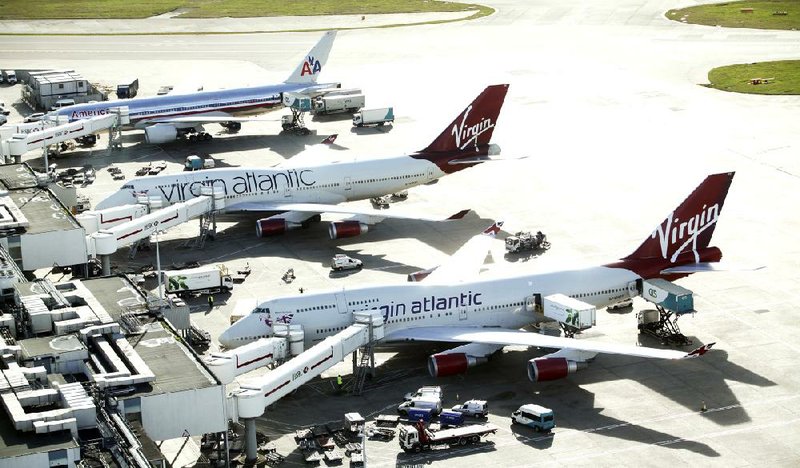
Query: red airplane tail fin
{"type": "Point", "coordinates": [689, 228]}
{"type": "Point", "coordinates": [474, 126]}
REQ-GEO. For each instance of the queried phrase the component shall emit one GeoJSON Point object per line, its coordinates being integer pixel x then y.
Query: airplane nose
{"type": "Point", "coordinates": [225, 339]}
{"type": "Point", "coordinates": [118, 198]}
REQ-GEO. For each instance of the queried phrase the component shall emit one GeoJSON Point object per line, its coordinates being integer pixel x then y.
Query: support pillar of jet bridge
{"type": "Point", "coordinates": [250, 444]}
{"type": "Point", "coordinates": [106, 263]}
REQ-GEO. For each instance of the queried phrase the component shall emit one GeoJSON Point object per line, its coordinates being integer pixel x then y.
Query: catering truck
{"type": "Point", "coordinates": [373, 116]}
{"type": "Point", "coordinates": [128, 90]}
{"type": "Point", "coordinates": [323, 105]}
{"type": "Point", "coordinates": [417, 438]}
{"type": "Point", "coordinates": [203, 280]}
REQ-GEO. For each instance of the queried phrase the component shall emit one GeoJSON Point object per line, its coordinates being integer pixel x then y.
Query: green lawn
{"type": "Point", "coordinates": [784, 75]}
{"type": "Point", "coordinates": [74, 9]}
{"type": "Point", "coordinates": [730, 14]}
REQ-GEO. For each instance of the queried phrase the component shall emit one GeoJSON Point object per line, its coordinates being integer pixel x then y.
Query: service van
{"type": "Point", "coordinates": [477, 408]}
{"type": "Point", "coordinates": [341, 262]}
{"type": "Point", "coordinates": [432, 403]}
{"type": "Point", "coordinates": [537, 417]}
{"type": "Point", "coordinates": [433, 391]}
{"type": "Point", "coordinates": [62, 103]}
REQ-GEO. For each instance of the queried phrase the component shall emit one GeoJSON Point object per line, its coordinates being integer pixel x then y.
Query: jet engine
{"type": "Point", "coordinates": [444, 364]}
{"type": "Point", "coordinates": [160, 133]}
{"type": "Point", "coordinates": [553, 368]}
{"type": "Point", "coordinates": [273, 226]}
{"type": "Point", "coordinates": [345, 229]}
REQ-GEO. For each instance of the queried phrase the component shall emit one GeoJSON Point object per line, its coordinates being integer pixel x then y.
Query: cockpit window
{"type": "Point", "coordinates": [261, 310]}
{"type": "Point", "coordinates": [127, 186]}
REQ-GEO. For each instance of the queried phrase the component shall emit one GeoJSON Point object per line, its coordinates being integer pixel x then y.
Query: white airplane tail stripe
{"type": "Point", "coordinates": [312, 64]}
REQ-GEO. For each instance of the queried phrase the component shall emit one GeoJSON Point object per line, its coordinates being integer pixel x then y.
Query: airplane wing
{"type": "Point", "coordinates": [467, 261]}
{"type": "Point", "coordinates": [373, 214]}
{"type": "Point", "coordinates": [482, 159]}
{"type": "Point", "coordinates": [210, 117]}
{"type": "Point", "coordinates": [499, 336]}
{"type": "Point", "coordinates": [322, 152]}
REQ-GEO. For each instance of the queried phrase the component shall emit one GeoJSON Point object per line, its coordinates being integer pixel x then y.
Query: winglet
{"type": "Point", "coordinates": [699, 351]}
{"type": "Point", "coordinates": [458, 215]}
{"type": "Point", "coordinates": [329, 140]}
{"type": "Point", "coordinates": [493, 229]}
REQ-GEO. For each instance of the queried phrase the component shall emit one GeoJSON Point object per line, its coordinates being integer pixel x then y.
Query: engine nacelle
{"type": "Point", "coordinates": [273, 226]}
{"type": "Point", "coordinates": [345, 229]}
{"type": "Point", "coordinates": [442, 365]}
{"type": "Point", "coordinates": [160, 133]}
{"type": "Point", "coordinates": [494, 149]}
{"type": "Point", "coordinates": [544, 369]}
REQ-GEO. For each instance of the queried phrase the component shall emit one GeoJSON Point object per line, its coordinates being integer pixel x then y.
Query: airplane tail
{"type": "Point", "coordinates": [309, 69]}
{"type": "Point", "coordinates": [684, 237]}
{"type": "Point", "coordinates": [465, 142]}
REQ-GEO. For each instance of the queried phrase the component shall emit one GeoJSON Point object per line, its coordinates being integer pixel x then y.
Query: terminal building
{"type": "Point", "coordinates": [43, 89]}
{"type": "Point", "coordinates": [88, 368]}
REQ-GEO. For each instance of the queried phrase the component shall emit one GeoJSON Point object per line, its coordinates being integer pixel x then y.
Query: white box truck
{"type": "Point", "coordinates": [569, 311]}
{"type": "Point", "coordinates": [373, 116]}
{"type": "Point", "coordinates": [323, 105]}
{"type": "Point", "coordinates": [203, 280]}
{"type": "Point", "coordinates": [10, 77]}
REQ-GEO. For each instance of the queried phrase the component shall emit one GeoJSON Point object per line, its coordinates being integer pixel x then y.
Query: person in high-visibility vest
{"type": "Point", "coordinates": [210, 301]}
{"type": "Point", "coordinates": [339, 382]}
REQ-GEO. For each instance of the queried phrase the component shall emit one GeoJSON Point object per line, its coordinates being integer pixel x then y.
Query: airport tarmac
{"type": "Point", "coordinates": [606, 101]}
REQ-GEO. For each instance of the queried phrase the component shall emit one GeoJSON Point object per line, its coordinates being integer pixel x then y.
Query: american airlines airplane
{"type": "Point", "coordinates": [456, 304]}
{"type": "Point", "coordinates": [165, 118]}
{"type": "Point", "coordinates": [302, 188]}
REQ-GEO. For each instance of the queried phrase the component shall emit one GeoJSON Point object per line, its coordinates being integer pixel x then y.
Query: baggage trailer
{"type": "Point", "coordinates": [416, 438]}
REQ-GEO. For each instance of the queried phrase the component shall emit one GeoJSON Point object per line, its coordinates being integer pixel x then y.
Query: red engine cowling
{"type": "Point", "coordinates": [345, 229]}
{"type": "Point", "coordinates": [543, 369]}
{"type": "Point", "coordinates": [273, 226]}
{"type": "Point", "coordinates": [440, 365]}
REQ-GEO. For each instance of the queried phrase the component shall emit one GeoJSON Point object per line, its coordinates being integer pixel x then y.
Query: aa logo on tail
{"type": "Point", "coordinates": [311, 66]}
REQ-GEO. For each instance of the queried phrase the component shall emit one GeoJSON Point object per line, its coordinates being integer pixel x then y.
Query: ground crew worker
{"type": "Point", "coordinates": [210, 301]}
{"type": "Point", "coordinates": [339, 382]}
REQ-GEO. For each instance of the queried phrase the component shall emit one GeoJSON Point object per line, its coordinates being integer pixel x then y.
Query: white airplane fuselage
{"type": "Point", "coordinates": [331, 183]}
{"type": "Point", "coordinates": [491, 302]}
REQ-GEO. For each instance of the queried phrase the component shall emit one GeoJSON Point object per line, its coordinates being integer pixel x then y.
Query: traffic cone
{"type": "Point", "coordinates": [703, 408]}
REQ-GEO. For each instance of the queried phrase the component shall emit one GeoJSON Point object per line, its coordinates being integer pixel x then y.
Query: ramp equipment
{"type": "Point", "coordinates": [671, 301]}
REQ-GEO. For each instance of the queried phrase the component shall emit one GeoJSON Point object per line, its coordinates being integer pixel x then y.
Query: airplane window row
{"type": "Point", "coordinates": [327, 306]}
{"type": "Point", "coordinates": [606, 291]}
{"type": "Point", "coordinates": [250, 338]}
{"type": "Point", "coordinates": [362, 302]}
{"type": "Point", "coordinates": [407, 176]}
{"type": "Point", "coordinates": [500, 306]}
{"type": "Point", "coordinates": [200, 106]}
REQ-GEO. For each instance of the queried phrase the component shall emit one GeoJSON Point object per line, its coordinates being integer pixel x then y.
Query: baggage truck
{"type": "Point", "coordinates": [10, 77]}
{"type": "Point", "coordinates": [128, 90]}
{"type": "Point", "coordinates": [569, 311]}
{"type": "Point", "coordinates": [450, 418]}
{"type": "Point", "coordinates": [420, 414]}
{"type": "Point", "coordinates": [416, 438]}
{"type": "Point", "coordinates": [373, 116]}
{"type": "Point", "coordinates": [668, 295]}
{"type": "Point", "coordinates": [203, 280]}
{"type": "Point", "coordinates": [327, 104]}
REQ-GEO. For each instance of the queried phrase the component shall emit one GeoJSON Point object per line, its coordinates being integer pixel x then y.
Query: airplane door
{"type": "Point", "coordinates": [430, 173]}
{"type": "Point", "coordinates": [287, 193]}
{"type": "Point", "coordinates": [341, 303]}
{"type": "Point", "coordinates": [348, 184]}
{"type": "Point", "coordinates": [634, 288]}
{"type": "Point", "coordinates": [462, 314]}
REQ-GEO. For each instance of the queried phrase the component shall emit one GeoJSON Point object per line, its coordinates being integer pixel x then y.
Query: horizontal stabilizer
{"type": "Point", "coordinates": [706, 267]}
{"type": "Point", "coordinates": [482, 159]}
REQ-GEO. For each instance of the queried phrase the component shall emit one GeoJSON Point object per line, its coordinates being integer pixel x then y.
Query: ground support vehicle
{"type": "Point", "coordinates": [373, 117]}
{"type": "Point", "coordinates": [203, 280]}
{"type": "Point", "coordinates": [671, 301]}
{"type": "Point", "coordinates": [416, 438]}
{"type": "Point", "coordinates": [341, 262]}
{"type": "Point", "coordinates": [450, 418]}
{"type": "Point", "coordinates": [128, 90]}
{"type": "Point", "coordinates": [323, 105]}
{"type": "Point", "coordinates": [539, 418]}
{"type": "Point", "coordinates": [430, 390]}
{"type": "Point", "coordinates": [431, 402]}
{"type": "Point", "coordinates": [477, 408]}
{"type": "Point", "coordinates": [524, 240]}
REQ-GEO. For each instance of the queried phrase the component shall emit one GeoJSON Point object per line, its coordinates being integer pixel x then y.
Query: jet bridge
{"type": "Point", "coordinates": [125, 228]}
{"type": "Point", "coordinates": [54, 132]}
{"type": "Point", "coordinates": [255, 396]}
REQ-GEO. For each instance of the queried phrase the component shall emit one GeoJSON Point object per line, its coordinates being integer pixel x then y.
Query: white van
{"type": "Point", "coordinates": [63, 103]}
{"type": "Point", "coordinates": [426, 402]}
{"type": "Point", "coordinates": [430, 391]}
{"type": "Point", "coordinates": [477, 408]}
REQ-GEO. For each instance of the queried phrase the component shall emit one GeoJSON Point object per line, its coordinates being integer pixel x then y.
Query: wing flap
{"type": "Point", "coordinates": [341, 209]}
